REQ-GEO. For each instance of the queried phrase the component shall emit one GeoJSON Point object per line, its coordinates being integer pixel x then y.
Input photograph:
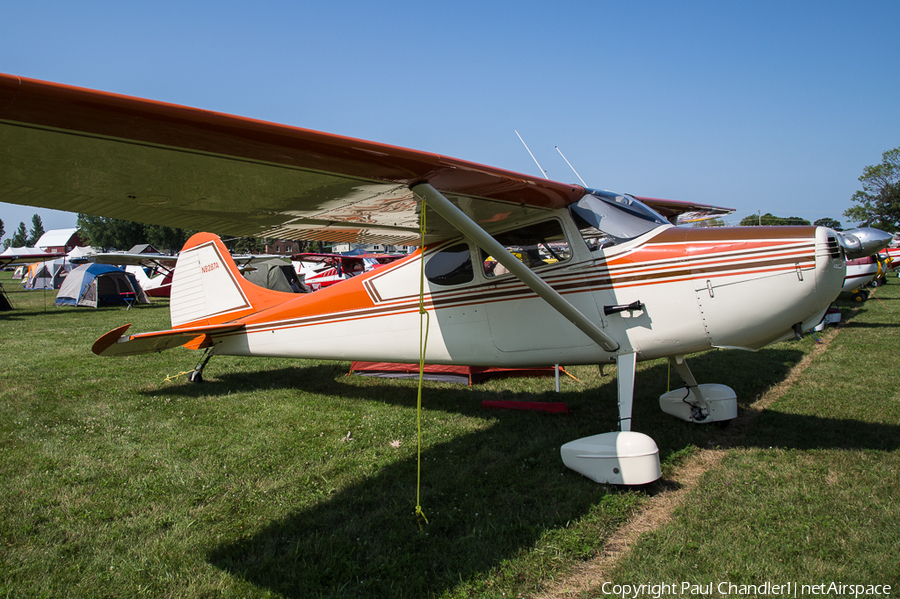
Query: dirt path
{"type": "Point", "coordinates": [657, 511]}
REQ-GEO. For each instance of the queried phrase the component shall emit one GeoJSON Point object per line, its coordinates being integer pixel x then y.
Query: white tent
{"type": "Point", "coordinates": [80, 251]}
{"type": "Point", "coordinates": [22, 252]}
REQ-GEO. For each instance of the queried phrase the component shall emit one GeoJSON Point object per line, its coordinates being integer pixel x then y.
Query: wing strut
{"type": "Point", "coordinates": [483, 239]}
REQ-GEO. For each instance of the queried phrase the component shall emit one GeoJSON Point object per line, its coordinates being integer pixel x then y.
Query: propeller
{"type": "Point", "coordinates": [859, 243]}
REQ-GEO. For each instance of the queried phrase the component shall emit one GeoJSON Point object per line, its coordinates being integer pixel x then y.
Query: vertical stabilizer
{"type": "Point", "coordinates": [207, 287]}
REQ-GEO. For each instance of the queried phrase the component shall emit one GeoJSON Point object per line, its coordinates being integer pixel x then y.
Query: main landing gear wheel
{"type": "Point", "coordinates": [195, 376]}
{"type": "Point", "coordinates": [859, 296]}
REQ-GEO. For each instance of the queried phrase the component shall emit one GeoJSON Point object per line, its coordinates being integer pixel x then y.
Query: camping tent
{"type": "Point", "coordinates": [49, 274]}
{"type": "Point", "coordinates": [26, 252]}
{"type": "Point", "coordinates": [99, 284]}
{"type": "Point", "coordinates": [81, 251]}
{"type": "Point", "coordinates": [272, 274]}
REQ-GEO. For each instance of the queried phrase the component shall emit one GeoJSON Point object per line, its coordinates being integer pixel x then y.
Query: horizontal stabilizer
{"type": "Point", "coordinates": [117, 343]}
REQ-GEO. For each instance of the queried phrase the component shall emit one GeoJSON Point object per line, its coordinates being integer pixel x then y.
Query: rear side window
{"type": "Point", "coordinates": [450, 266]}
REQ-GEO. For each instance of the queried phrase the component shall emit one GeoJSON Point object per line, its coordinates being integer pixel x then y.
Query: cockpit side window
{"type": "Point", "coordinates": [606, 219]}
{"type": "Point", "coordinates": [450, 266]}
{"type": "Point", "coordinates": [535, 245]}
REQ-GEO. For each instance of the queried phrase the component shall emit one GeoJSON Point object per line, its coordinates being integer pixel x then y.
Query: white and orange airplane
{"type": "Point", "coordinates": [575, 276]}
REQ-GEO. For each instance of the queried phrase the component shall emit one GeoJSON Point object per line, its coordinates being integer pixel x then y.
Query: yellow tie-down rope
{"type": "Point", "coordinates": [424, 317]}
{"type": "Point", "coordinates": [172, 377]}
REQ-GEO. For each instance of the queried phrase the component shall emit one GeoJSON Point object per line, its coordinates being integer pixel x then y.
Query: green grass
{"type": "Point", "coordinates": [115, 482]}
{"type": "Point", "coordinates": [811, 492]}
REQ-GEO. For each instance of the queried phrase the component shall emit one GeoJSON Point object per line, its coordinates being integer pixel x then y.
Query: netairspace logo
{"type": "Point", "coordinates": [725, 589]}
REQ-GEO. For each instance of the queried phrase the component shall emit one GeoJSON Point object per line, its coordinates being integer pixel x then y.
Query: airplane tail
{"type": "Point", "coordinates": [208, 288]}
{"type": "Point", "coordinates": [209, 296]}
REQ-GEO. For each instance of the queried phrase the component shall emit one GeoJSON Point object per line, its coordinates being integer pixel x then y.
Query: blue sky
{"type": "Point", "coordinates": [762, 106]}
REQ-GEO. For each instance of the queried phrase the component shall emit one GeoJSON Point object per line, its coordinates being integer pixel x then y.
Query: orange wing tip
{"type": "Point", "coordinates": [108, 340]}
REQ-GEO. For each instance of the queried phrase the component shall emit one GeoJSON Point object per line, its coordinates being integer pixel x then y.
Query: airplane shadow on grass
{"type": "Point", "coordinates": [487, 495]}
{"type": "Point", "coordinates": [364, 540]}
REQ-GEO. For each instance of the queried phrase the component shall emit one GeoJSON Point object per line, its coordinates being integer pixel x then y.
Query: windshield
{"type": "Point", "coordinates": [606, 218]}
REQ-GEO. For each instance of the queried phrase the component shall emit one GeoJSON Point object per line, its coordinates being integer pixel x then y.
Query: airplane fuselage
{"type": "Point", "coordinates": [698, 288]}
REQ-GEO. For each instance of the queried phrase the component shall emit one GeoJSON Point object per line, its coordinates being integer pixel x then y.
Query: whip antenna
{"type": "Point", "coordinates": [570, 165]}
{"type": "Point", "coordinates": [543, 172]}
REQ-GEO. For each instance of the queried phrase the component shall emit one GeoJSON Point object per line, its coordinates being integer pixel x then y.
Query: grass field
{"type": "Point", "coordinates": [116, 482]}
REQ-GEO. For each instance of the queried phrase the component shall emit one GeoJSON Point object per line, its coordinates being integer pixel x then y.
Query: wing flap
{"type": "Point", "coordinates": [117, 343]}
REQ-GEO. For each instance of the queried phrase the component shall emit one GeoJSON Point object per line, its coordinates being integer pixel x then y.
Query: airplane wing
{"type": "Point", "coordinates": [14, 259]}
{"type": "Point", "coordinates": [134, 259]}
{"type": "Point", "coordinates": [678, 212]}
{"type": "Point", "coordinates": [94, 152]}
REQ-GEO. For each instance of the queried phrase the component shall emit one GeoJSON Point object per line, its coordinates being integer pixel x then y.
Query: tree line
{"type": "Point", "coordinates": [111, 234]}
{"type": "Point", "coordinates": [878, 203]}
{"type": "Point", "coordinates": [23, 237]}
{"type": "Point", "coordinates": [116, 234]}
{"type": "Point", "coordinates": [770, 220]}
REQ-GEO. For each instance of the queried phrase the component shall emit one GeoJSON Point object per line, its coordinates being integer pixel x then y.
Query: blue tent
{"type": "Point", "coordinates": [99, 284]}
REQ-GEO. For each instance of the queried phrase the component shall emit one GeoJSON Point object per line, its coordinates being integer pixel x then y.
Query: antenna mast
{"type": "Point", "coordinates": [543, 172]}
{"type": "Point", "coordinates": [570, 166]}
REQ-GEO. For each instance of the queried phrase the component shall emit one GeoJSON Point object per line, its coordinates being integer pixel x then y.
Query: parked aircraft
{"type": "Point", "coordinates": [861, 273]}
{"type": "Point", "coordinates": [623, 283]}
{"type": "Point", "coordinates": [323, 270]}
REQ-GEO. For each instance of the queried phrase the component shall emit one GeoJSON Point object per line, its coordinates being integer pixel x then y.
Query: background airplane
{"type": "Point", "coordinates": [323, 270]}
{"type": "Point", "coordinates": [861, 273]}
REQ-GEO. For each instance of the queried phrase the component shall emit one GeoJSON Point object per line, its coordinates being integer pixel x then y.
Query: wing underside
{"type": "Point", "coordinates": [98, 153]}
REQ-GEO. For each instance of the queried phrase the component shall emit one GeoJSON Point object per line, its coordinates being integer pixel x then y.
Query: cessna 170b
{"type": "Point", "coordinates": [512, 270]}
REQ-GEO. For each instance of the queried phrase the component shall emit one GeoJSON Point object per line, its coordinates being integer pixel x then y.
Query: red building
{"type": "Point", "coordinates": [59, 241]}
